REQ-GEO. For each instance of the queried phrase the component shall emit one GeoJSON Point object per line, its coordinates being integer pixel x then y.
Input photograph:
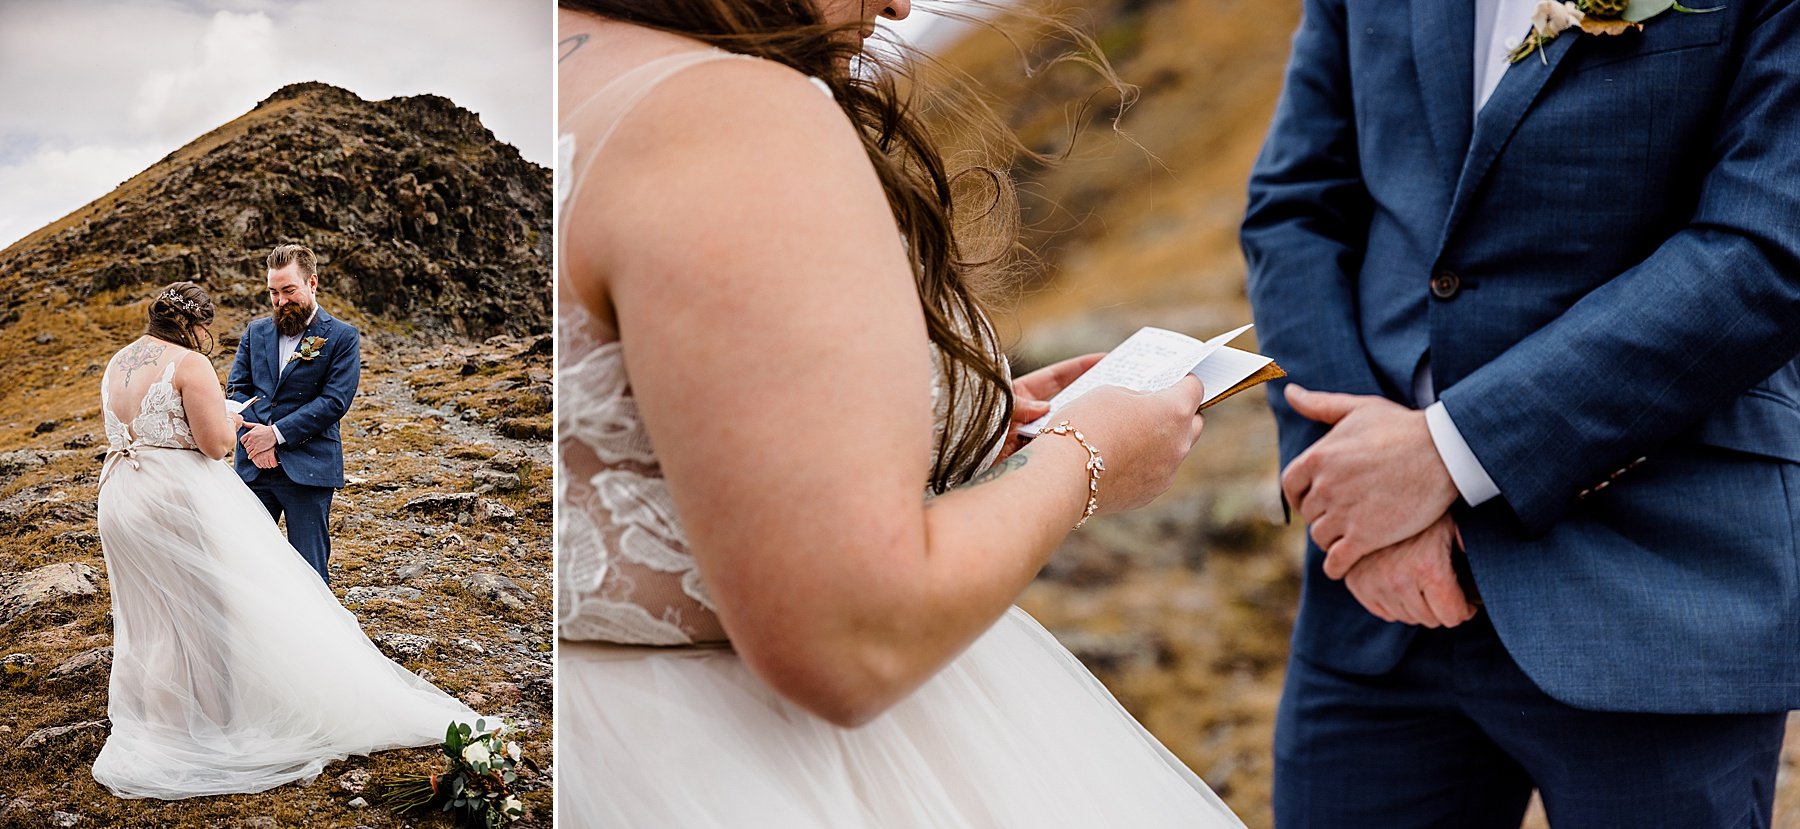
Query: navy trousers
{"type": "Point", "coordinates": [308, 511]}
{"type": "Point", "coordinates": [1457, 736]}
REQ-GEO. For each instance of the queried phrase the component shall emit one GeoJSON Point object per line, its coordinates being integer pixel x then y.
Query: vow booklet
{"type": "Point", "coordinates": [234, 407]}
{"type": "Point", "coordinates": [1154, 358]}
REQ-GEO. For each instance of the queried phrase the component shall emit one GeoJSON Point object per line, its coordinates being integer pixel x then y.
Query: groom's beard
{"type": "Point", "coordinates": [290, 319]}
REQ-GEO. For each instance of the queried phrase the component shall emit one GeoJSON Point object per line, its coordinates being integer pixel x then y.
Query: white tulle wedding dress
{"type": "Point", "coordinates": [234, 667]}
{"type": "Point", "coordinates": [657, 731]}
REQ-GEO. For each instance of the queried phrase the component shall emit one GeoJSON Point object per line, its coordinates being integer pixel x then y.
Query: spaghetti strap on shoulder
{"type": "Point", "coordinates": [634, 83]}
{"type": "Point", "coordinates": [579, 141]}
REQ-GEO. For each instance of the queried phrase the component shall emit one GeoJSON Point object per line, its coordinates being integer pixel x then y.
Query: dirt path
{"type": "Point", "coordinates": [403, 400]}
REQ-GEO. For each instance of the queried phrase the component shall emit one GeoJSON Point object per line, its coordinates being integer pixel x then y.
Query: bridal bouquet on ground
{"type": "Point", "coordinates": [476, 786]}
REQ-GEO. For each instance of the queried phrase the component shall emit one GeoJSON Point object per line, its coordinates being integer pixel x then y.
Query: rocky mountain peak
{"type": "Point", "coordinates": [418, 215]}
{"type": "Point", "coordinates": [309, 89]}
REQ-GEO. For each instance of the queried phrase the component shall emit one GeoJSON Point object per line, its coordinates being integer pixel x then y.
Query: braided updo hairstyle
{"type": "Point", "coordinates": [176, 310]}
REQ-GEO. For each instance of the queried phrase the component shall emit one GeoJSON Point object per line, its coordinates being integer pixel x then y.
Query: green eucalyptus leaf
{"type": "Point", "coordinates": [1638, 11]}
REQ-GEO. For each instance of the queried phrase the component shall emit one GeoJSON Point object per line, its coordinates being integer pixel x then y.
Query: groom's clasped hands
{"type": "Point", "coordinates": [259, 443]}
{"type": "Point", "coordinates": [1377, 496]}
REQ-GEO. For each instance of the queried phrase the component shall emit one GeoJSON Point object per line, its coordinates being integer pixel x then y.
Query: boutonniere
{"type": "Point", "coordinates": [309, 348]}
{"type": "Point", "coordinates": [1594, 17]}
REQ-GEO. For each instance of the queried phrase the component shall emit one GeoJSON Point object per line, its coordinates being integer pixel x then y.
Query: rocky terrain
{"type": "Point", "coordinates": [1183, 609]}
{"type": "Point", "coordinates": [441, 537]}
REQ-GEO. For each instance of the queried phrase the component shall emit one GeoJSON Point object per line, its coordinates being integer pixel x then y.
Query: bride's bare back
{"type": "Point", "coordinates": [156, 393]}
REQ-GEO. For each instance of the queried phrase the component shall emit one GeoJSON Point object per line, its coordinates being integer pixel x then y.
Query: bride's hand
{"type": "Point", "coordinates": [237, 423]}
{"type": "Point", "coordinates": [1143, 438]}
{"type": "Point", "coordinates": [1032, 393]}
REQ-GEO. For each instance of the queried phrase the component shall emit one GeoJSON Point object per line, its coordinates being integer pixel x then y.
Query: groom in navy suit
{"type": "Point", "coordinates": [1548, 315]}
{"type": "Point", "coordinates": [301, 365]}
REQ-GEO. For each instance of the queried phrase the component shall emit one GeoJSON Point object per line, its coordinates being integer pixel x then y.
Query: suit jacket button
{"type": "Point", "coordinates": [1445, 284]}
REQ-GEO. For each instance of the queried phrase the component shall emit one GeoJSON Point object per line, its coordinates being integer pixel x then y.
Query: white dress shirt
{"type": "Point", "coordinates": [1500, 25]}
{"type": "Point", "coordinates": [288, 346]}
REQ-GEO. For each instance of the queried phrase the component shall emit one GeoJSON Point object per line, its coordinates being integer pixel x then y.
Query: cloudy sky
{"type": "Point", "coordinates": [93, 92]}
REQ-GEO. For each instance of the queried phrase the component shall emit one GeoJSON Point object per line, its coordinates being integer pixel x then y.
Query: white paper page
{"type": "Point", "coordinates": [234, 407]}
{"type": "Point", "coordinates": [1150, 360]}
{"type": "Point", "coordinates": [1226, 368]}
{"type": "Point", "coordinates": [1218, 342]}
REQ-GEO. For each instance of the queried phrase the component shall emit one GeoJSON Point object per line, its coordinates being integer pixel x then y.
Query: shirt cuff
{"type": "Point", "coordinates": [281, 440]}
{"type": "Point", "coordinates": [1466, 471]}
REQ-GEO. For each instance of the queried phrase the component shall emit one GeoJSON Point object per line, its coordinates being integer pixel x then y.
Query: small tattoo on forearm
{"type": "Point", "coordinates": [993, 473]}
{"type": "Point", "coordinates": [569, 45]}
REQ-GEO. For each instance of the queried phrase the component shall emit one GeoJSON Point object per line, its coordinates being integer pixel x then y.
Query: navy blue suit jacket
{"type": "Point", "coordinates": [305, 402]}
{"type": "Point", "coordinates": [1615, 246]}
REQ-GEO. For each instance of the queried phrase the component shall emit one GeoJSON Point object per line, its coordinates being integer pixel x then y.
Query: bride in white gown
{"type": "Point", "coordinates": [762, 621]}
{"type": "Point", "coordinates": [234, 667]}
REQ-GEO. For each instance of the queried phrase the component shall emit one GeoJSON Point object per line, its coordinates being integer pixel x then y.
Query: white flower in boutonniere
{"type": "Point", "coordinates": [1548, 20]}
{"type": "Point", "coordinates": [1595, 17]}
{"type": "Point", "coordinates": [309, 348]}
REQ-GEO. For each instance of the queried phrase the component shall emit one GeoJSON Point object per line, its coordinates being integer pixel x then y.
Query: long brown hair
{"type": "Point", "coordinates": [957, 253]}
{"type": "Point", "coordinates": [175, 311]}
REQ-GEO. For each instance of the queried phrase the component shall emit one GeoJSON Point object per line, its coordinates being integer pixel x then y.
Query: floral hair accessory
{"type": "Point", "coordinates": [187, 306]}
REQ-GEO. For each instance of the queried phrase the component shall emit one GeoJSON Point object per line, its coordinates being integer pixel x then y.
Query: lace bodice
{"type": "Point", "coordinates": [624, 573]}
{"type": "Point", "coordinates": [139, 414]}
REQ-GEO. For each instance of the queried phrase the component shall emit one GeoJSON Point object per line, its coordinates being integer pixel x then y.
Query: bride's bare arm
{"type": "Point", "coordinates": [204, 403]}
{"type": "Point", "coordinates": [774, 340]}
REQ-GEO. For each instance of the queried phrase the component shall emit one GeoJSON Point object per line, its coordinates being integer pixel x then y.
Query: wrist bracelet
{"type": "Point", "coordinates": [1095, 466]}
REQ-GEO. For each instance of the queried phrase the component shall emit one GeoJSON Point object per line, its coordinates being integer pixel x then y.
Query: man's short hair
{"type": "Point", "coordinates": [282, 255]}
